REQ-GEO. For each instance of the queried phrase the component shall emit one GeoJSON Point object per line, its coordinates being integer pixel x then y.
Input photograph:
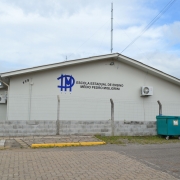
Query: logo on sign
{"type": "Point", "coordinates": [66, 82]}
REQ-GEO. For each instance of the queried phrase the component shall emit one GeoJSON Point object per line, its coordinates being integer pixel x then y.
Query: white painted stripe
{"type": "Point", "coordinates": [150, 163]}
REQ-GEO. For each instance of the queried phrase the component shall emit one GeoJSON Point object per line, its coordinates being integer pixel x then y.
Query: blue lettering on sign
{"type": "Point", "coordinates": [66, 82]}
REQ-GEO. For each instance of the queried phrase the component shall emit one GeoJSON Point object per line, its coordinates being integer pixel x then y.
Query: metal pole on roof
{"type": "Point", "coordinates": [111, 27]}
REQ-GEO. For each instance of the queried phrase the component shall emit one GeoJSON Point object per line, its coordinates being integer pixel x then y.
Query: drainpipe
{"type": "Point", "coordinates": [160, 108]}
{"type": "Point", "coordinates": [7, 96]}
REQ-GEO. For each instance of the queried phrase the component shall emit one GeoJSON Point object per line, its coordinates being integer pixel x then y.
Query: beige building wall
{"type": "Point", "coordinates": [3, 107]}
{"type": "Point", "coordinates": [37, 99]}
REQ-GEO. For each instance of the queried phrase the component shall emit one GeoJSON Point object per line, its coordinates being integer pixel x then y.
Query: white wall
{"type": "Point", "coordinates": [91, 104]}
{"type": "Point", "coordinates": [3, 107]}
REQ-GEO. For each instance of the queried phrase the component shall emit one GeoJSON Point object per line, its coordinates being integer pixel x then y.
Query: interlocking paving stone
{"type": "Point", "coordinates": [164, 157]}
{"type": "Point", "coordinates": [54, 164]}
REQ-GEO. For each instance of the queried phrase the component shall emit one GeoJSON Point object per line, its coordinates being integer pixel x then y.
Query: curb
{"type": "Point", "coordinates": [67, 144]}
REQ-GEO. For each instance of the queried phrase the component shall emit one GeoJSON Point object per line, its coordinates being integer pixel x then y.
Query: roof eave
{"type": "Point", "coordinates": [61, 64]}
{"type": "Point", "coordinates": [149, 69]}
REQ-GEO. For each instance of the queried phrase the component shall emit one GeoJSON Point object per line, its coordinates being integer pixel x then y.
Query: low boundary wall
{"type": "Point", "coordinates": [27, 128]}
{"type": "Point", "coordinates": [43, 128]}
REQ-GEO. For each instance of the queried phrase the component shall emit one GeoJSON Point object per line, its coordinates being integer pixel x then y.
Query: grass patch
{"type": "Point", "coordinates": [137, 139]}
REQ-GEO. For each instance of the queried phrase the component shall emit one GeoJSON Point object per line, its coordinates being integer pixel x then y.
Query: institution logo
{"type": "Point", "coordinates": [66, 82]}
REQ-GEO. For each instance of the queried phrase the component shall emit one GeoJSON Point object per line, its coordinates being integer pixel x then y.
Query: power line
{"type": "Point", "coordinates": [166, 7]}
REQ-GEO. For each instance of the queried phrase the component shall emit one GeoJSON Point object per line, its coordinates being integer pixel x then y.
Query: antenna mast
{"type": "Point", "coordinates": [111, 27]}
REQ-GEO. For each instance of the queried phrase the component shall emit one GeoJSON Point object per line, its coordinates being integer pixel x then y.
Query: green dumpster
{"type": "Point", "coordinates": [168, 126]}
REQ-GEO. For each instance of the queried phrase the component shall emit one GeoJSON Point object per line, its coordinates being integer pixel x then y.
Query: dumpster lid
{"type": "Point", "coordinates": [169, 117]}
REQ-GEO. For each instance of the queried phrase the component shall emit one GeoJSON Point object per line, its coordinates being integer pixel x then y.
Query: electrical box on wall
{"type": "Point", "coordinates": [3, 99]}
{"type": "Point", "coordinates": [146, 91]}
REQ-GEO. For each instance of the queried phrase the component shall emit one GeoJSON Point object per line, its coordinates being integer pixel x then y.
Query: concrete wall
{"type": "Point", "coordinates": [29, 128]}
{"type": "Point", "coordinates": [135, 128]}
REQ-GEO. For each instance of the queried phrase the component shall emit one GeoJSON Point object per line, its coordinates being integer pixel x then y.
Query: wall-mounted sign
{"type": "Point", "coordinates": [66, 82]}
{"type": "Point", "coordinates": [98, 85]}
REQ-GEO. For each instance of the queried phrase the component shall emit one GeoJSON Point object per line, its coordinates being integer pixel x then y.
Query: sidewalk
{"type": "Point", "coordinates": [53, 164]}
{"type": "Point", "coordinates": [159, 161]}
{"type": "Point", "coordinates": [52, 141]}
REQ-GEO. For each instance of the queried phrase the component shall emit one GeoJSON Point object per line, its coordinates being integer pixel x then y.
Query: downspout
{"type": "Point", "coordinates": [7, 96]}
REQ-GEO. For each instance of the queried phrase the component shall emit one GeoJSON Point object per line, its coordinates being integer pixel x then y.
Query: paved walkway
{"type": "Point", "coordinates": [26, 142]}
{"type": "Point", "coordinates": [94, 162]}
{"type": "Point", "coordinates": [62, 164]}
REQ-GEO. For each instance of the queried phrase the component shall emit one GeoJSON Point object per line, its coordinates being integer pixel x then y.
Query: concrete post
{"type": "Point", "coordinates": [30, 96]}
{"type": "Point", "coordinates": [160, 108]}
{"type": "Point", "coordinates": [58, 109]}
{"type": "Point", "coordinates": [112, 117]}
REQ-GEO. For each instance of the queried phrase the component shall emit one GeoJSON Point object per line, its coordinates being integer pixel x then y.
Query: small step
{"type": "Point", "coordinates": [2, 142]}
{"type": "Point", "coordinates": [22, 143]}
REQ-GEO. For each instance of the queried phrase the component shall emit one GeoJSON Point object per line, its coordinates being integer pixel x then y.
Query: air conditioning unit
{"type": "Point", "coordinates": [2, 99]}
{"type": "Point", "coordinates": [146, 91]}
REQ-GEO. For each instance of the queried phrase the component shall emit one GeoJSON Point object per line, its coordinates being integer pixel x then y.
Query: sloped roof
{"type": "Point", "coordinates": [149, 69]}
{"type": "Point", "coordinates": [115, 56]}
{"type": "Point", "coordinates": [55, 65]}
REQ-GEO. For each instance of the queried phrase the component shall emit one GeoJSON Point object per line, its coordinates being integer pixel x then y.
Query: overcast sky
{"type": "Point", "coordinates": [38, 32]}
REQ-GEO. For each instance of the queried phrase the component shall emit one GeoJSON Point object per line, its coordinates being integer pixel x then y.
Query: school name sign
{"type": "Point", "coordinates": [98, 85]}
